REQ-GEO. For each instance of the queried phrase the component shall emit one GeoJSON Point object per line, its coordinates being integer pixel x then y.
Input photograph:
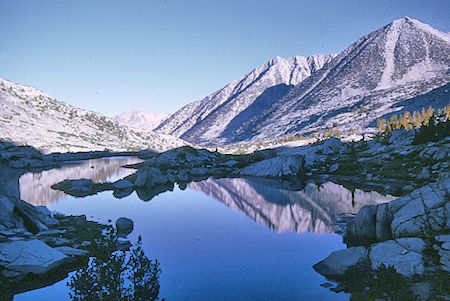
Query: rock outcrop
{"type": "Point", "coordinates": [282, 166]}
{"type": "Point", "coordinates": [29, 256]}
{"type": "Point", "coordinates": [37, 248]}
{"type": "Point", "coordinates": [425, 210]}
{"type": "Point", "coordinates": [124, 226]}
{"type": "Point", "coordinates": [409, 234]}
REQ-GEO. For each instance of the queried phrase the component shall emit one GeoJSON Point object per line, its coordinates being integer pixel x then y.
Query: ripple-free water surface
{"type": "Point", "coordinates": [225, 247]}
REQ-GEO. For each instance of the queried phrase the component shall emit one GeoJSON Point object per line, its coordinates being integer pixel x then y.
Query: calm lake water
{"type": "Point", "coordinates": [225, 239]}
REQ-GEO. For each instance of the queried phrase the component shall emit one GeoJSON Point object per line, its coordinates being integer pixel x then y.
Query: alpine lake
{"type": "Point", "coordinates": [217, 239]}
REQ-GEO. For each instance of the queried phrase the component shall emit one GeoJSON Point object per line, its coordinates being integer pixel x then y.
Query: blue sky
{"type": "Point", "coordinates": [113, 56]}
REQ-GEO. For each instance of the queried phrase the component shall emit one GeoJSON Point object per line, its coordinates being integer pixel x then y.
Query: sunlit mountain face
{"type": "Point", "coordinates": [383, 72]}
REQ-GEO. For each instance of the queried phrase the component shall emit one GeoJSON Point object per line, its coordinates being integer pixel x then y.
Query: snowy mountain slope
{"type": "Point", "coordinates": [402, 60]}
{"type": "Point", "coordinates": [225, 109]}
{"type": "Point", "coordinates": [140, 119]}
{"type": "Point", "coordinates": [373, 77]}
{"type": "Point", "coordinates": [29, 116]}
{"type": "Point", "coordinates": [437, 98]}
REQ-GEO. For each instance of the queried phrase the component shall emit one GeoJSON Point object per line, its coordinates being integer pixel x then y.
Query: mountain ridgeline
{"type": "Point", "coordinates": [388, 70]}
{"type": "Point", "coordinates": [31, 117]}
{"type": "Point", "coordinates": [224, 111]}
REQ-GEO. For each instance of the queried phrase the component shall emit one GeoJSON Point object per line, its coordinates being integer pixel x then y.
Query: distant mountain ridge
{"type": "Point", "coordinates": [29, 116]}
{"type": "Point", "coordinates": [140, 119]}
{"type": "Point", "coordinates": [241, 99]}
{"type": "Point", "coordinates": [399, 61]}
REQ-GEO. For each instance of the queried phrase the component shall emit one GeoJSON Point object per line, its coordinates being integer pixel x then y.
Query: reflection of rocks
{"type": "Point", "coordinates": [35, 187]}
{"type": "Point", "coordinates": [312, 209]}
{"type": "Point", "coordinates": [147, 193]}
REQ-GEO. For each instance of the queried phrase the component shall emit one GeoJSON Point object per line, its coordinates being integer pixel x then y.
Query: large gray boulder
{"type": "Point", "coordinates": [30, 256]}
{"type": "Point", "coordinates": [181, 158]}
{"type": "Point", "coordinates": [79, 187]}
{"type": "Point", "coordinates": [337, 263]}
{"type": "Point", "coordinates": [149, 176]}
{"type": "Point", "coordinates": [15, 213]}
{"type": "Point", "coordinates": [401, 137]}
{"type": "Point", "coordinates": [274, 167]}
{"type": "Point", "coordinates": [122, 188]}
{"type": "Point", "coordinates": [405, 255]}
{"type": "Point", "coordinates": [363, 226]}
{"type": "Point", "coordinates": [425, 209]}
{"type": "Point", "coordinates": [122, 184]}
{"type": "Point", "coordinates": [124, 226]}
{"type": "Point", "coordinates": [414, 215]}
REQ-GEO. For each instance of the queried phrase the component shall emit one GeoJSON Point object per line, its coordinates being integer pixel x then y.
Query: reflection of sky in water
{"type": "Point", "coordinates": [35, 187]}
{"type": "Point", "coordinates": [210, 252]}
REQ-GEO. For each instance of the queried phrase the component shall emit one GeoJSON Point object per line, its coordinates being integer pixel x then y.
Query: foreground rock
{"type": "Point", "coordinates": [340, 261]}
{"type": "Point", "coordinates": [408, 237]}
{"type": "Point", "coordinates": [29, 256]}
{"type": "Point", "coordinates": [15, 213]}
{"type": "Point", "coordinates": [37, 248]}
{"type": "Point", "coordinates": [424, 211]}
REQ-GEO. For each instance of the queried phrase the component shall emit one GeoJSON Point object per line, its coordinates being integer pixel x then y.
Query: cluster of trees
{"type": "Point", "coordinates": [429, 124]}
{"type": "Point", "coordinates": [432, 125]}
{"type": "Point", "coordinates": [410, 121]}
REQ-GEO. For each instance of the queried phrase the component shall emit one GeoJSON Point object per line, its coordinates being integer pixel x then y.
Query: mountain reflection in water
{"type": "Point", "coordinates": [280, 206]}
{"type": "Point", "coordinates": [309, 210]}
{"type": "Point", "coordinates": [35, 188]}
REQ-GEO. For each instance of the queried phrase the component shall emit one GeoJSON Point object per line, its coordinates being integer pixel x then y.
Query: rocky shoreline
{"type": "Point", "coordinates": [391, 166]}
{"type": "Point", "coordinates": [35, 245]}
{"type": "Point", "coordinates": [411, 234]}
{"type": "Point", "coordinates": [400, 235]}
{"type": "Point", "coordinates": [38, 248]}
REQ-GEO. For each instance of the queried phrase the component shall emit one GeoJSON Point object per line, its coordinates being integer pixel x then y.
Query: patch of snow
{"type": "Point", "coordinates": [141, 119]}
{"type": "Point", "coordinates": [391, 42]}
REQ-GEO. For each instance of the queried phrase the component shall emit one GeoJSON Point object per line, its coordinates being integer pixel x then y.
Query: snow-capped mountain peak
{"type": "Point", "coordinates": [367, 80]}
{"type": "Point", "coordinates": [140, 119]}
{"type": "Point", "coordinates": [403, 41]}
{"type": "Point", "coordinates": [218, 114]}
